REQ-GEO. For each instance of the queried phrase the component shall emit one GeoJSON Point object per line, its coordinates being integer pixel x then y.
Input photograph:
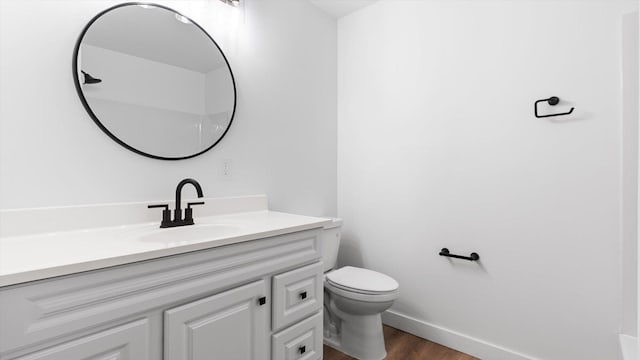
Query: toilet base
{"type": "Point", "coordinates": [359, 336]}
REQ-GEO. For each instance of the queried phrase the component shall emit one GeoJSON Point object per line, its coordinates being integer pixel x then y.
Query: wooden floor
{"type": "Point", "coordinates": [403, 346]}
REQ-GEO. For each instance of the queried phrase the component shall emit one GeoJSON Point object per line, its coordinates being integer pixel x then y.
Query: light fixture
{"type": "Point", "coordinates": [88, 79]}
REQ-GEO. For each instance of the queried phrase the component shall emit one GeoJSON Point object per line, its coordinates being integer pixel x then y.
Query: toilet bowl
{"type": "Point", "coordinates": [354, 299]}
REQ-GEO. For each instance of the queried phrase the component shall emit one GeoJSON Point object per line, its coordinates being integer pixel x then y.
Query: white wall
{"type": "Point", "coordinates": [438, 147]}
{"type": "Point", "coordinates": [637, 308]}
{"type": "Point", "coordinates": [282, 141]}
{"type": "Point", "coordinates": [630, 116]}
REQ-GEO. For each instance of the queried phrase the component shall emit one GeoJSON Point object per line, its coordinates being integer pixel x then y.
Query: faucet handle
{"type": "Point", "coordinates": [188, 212]}
{"type": "Point", "coordinates": [166, 214]}
{"type": "Point", "coordinates": [165, 206]}
{"type": "Point", "coordinates": [194, 203]}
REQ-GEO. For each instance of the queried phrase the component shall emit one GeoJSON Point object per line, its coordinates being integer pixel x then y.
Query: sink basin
{"type": "Point", "coordinates": [190, 234]}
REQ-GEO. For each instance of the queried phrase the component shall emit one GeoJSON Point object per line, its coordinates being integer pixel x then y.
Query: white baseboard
{"type": "Point", "coordinates": [629, 347]}
{"type": "Point", "coordinates": [449, 338]}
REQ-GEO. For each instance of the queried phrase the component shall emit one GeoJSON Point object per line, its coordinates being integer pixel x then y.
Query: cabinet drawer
{"type": "Point", "coordinates": [302, 341]}
{"type": "Point", "coordinates": [296, 294]}
{"type": "Point", "coordinates": [129, 341]}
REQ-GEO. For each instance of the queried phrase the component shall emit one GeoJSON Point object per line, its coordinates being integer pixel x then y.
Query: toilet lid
{"type": "Point", "coordinates": [362, 280]}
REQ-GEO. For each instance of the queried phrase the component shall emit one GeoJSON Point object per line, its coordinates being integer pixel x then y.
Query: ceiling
{"type": "Point", "coordinates": [340, 8]}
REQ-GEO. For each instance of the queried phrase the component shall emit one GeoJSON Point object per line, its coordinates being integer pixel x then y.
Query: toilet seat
{"type": "Point", "coordinates": [362, 284]}
{"type": "Point", "coordinates": [357, 291]}
{"type": "Point", "coordinates": [363, 281]}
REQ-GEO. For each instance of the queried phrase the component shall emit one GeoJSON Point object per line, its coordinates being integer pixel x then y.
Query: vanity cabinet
{"type": "Point", "coordinates": [255, 300]}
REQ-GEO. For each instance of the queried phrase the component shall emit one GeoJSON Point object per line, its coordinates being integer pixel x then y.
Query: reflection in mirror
{"type": "Point", "coordinates": [154, 81]}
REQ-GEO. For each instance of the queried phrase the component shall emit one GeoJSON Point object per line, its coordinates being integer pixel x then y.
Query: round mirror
{"type": "Point", "coordinates": [154, 81]}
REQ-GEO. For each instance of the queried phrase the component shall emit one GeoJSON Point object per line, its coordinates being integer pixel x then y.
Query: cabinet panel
{"type": "Point", "coordinates": [126, 342]}
{"type": "Point", "coordinates": [231, 325]}
{"type": "Point", "coordinates": [297, 294]}
{"type": "Point", "coordinates": [302, 341]}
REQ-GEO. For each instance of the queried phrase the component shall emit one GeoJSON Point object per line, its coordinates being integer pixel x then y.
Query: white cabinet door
{"type": "Point", "coordinates": [231, 325]}
{"type": "Point", "coordinates": [126, 342]}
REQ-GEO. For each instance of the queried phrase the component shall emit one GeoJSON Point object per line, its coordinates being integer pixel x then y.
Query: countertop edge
{"type": "Point", "coordinates": [19, 278]}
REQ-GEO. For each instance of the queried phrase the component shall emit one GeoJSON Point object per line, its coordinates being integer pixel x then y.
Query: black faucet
{"type": "Point", "coordinates": [177, 213]}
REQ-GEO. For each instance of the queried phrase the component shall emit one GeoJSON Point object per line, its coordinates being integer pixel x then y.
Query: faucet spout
{"type": "Point", "coordinates": [177, 215]}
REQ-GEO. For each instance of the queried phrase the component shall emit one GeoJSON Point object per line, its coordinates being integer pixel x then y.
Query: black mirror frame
{"type": "Point", "coordinates": [95, 118]}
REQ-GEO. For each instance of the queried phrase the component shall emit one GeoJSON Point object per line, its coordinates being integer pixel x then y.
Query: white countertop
{"type": "Point", "coordinates": [29, 257]}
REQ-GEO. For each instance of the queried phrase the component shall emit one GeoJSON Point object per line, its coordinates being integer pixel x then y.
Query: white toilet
{"type": "Point", "coordinates": [354, 298]}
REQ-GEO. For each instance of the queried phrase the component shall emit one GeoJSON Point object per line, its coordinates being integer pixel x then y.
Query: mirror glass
{"type": "Point", "coordinates": [154, 81]}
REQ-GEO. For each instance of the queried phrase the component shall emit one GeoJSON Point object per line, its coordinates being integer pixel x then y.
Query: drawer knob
{"type": "Point", "coordinates": [262, 300]}
{"type": "Point", "coordinates": [302, 349]}
{"type": "Point", "coordinates": [303, 295]}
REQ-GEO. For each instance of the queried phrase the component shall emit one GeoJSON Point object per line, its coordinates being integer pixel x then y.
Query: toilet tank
{"type": "Point", "coordinates": [331, 243]}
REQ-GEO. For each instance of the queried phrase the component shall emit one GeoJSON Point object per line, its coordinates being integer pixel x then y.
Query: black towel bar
{"type": "Point", "coordinates": [472, 257]}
